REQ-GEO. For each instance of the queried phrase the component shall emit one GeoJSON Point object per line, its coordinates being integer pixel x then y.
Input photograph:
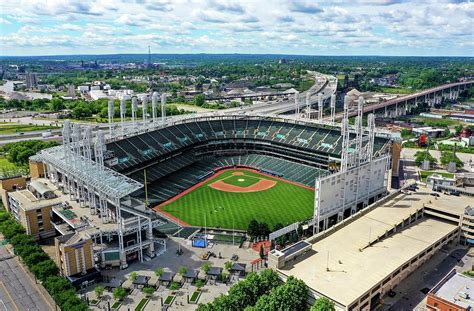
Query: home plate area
{"type": "Point", "coordinates": [239, 182]}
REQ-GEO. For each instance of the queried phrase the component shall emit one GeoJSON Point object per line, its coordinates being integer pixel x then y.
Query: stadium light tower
{"type": "Point", "coordinates": [163, 108]}
{"type": "Point", "coordinates": [154, 103]}
{"type": "Point", "coordinates": [333, 107]}
{"type": "Point", "coordinates": [123, 110]}
{"type": "Point", "coordinates": [144, 109]}
{"type": "Point", "coordinates": [297, 104]}
{"type": "Point", "coordinates": [308, 105]}
{"type": "Point", "coordinates": [134, 110]}
{"type": "Point", "coordinates": [320, 107]}
{"type": "Point", "coordinates": [111, 115]}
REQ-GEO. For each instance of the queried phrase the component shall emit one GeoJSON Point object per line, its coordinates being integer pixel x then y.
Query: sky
{"type": "Point", "coordinates": [306, 27]}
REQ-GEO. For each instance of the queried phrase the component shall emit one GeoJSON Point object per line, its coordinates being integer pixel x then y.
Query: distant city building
{"type": "Point", "coordinates": [31, 80]}
{"type": "Point", "coordinates": [71, 91]}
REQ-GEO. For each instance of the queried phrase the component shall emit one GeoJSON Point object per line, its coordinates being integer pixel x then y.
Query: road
{"type": "Point", "coordinates": [18, 291]}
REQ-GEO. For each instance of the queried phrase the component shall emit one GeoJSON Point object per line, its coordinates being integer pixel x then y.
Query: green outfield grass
{"type": "Point", "coordinates": [283, 203]}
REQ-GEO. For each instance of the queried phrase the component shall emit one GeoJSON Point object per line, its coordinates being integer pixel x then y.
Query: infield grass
{"type": "Point", "coordinates": [283, 203]}
{"type": "Point", "coordinates": [241, 180]}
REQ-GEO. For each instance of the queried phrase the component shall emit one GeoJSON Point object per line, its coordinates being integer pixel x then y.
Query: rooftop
{"type": "Point", "coordinates": [29, 202]}
{"type": "Point", "coordinates": [456, 288]}
{"type": "Point", "coordinates": [344, 267]}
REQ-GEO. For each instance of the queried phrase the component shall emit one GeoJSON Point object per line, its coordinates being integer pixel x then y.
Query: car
{"type": "Point", "coordinates": [234, 257]}
{"type": "Point", "coordinates": [434, 194]}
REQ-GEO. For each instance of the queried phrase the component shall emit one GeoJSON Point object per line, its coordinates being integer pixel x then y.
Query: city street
{"type": "Point", "coordinates": [18, 291]}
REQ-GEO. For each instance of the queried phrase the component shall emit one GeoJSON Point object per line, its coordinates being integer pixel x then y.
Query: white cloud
{"type": "Point", "coordinates": [273, 26]}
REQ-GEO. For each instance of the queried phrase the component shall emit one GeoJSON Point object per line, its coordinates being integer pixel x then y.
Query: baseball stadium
{"type": "Point", "coordinates": [224, 171]}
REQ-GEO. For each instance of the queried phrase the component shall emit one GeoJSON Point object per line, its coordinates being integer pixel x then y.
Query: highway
{"type": "Point", "coordinates": [402, 99]}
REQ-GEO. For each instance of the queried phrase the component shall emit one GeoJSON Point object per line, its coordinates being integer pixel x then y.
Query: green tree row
{"type": "Point", "coordinates": [19, 152]}
{"type": "Point", "coordinates": [39, 263]}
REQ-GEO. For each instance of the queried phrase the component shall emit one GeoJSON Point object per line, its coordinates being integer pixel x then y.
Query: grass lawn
{"type": "Point", "coordinates": [8, 169]}
{"type": "Point", "coordinates": [195, 297]}
{"type": "Point", "coordinates": [116, 305]}
{"type": "Point", "coordinates": [169, 300]}
{"type": "Point", "coordinates": [425, 174]}
{"type": "Point", "coordinates": [397, 90]}
{"type": "Point", "coordinates": [9, 128]}
{"type": "Point", "coordinates": [283, 203]}
{"type": "Point", "coordinates": [141, 305]}
{"type": "Point", "coordinates": [242, 180]}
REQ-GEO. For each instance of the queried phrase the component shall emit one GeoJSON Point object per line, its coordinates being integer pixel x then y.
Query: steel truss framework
{"type": "Point", "coordinates": [80, 161]}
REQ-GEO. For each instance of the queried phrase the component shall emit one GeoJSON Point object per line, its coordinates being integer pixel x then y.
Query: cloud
{"type": "Point", "coordinates": [304, 6]}
{"type": "Point", "coordinates": [4, 21]}
{"type": "Point", "coordinates": [226, 6]}
{"type": "Point", "coordinates": [273, 26]}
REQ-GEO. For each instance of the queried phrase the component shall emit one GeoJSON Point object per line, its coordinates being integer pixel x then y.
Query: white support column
{"type": "Point", "coordinates": [134, 111]}
{"type": "Point", "coordinates": [320, 107]}
{"type": "Point", "coordinates": [123, 111]}
{"type": "Point", "coordinates": [154, 104]}
{"type": "Point", "coordinates": [163, 108]}
{"type": "Point", "coordinates": [333, 108]}
{"type": "Point", "coordinates": [308, 105]}
{"type": "Point", "coordinates": [297, 104]}
{"type": "Point", "coordinates": [144, 109]}
{"type": "Point", "coordinates": [110, 111]}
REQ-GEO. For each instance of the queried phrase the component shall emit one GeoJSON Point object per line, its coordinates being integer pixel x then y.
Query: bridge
{"type": "Point", "coordinates": [401, 105]}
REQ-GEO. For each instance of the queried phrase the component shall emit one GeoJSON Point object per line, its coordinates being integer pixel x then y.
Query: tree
{"type": "Point", "coordinates": [44, 269]}
{"type": "Point", "coordinates": [323, 304]}
{"type": "Point", "coordinates": [99, 290]}
{"type": "Point", "coordinates": [199, 283]}
{"type": "Point", "coordinates": [199, 100]}
{"type": "Point", "coordinates": [290, 296]}
{"type": "Point", "coordinates": [119, 293]}
{"type": "Point", "coordinates": [35, 258]}
{"type": "Point", "coordinates": [56, 284]}
{"type": "Point", "coordinates": [183, 270]}
{"type": "Point", "coordinates": [174, 285]}
{"type": "Point", "coordinates": [56, 104]}
{"type": "Point", "coordinates": [159, 272]}
{"type": "Point", "coordinates": [263, 229]}
{"type": "Point", "coordinates": [262, 252]}
{"type": "Point", "coordinates": [148, 291]}
{"type": "Point", "coordinates": [253, 228]}
{"type": "Point", "coordinates": [228, 265]}
{"type": "Point", "coordinates": [206, 267]}
{"type": "Point", "coordinates": [19, 152]}
{"type": "Point", "coordinates": [133, 276]}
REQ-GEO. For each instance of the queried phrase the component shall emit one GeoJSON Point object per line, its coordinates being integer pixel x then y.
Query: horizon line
{"type": "Point", "coordinates": [261, 54]}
